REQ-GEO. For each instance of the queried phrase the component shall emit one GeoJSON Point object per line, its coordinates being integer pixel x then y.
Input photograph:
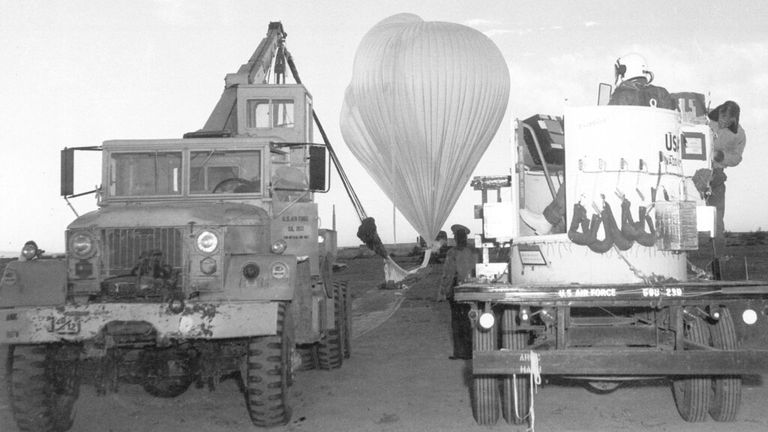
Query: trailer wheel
{"type": "Point", "coordinates": [330, 348]}
{"type": "Point", "coordinates": [485, 389]}
{"type": "Point", "coordinates": [692, 394]}
{"type": "Point", "coordinates": [347, 327]}
{"type": "Point", "coordinates": [43, 385]}
{"type": "Point", "coordinates": [515, 396]}
{"type": "Point", "coordinates": [267, 369]}
{"type": "Point", "coordinates": [726, 395]}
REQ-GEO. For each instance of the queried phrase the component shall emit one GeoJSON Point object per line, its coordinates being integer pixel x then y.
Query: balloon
{"type": "Point", "coordinates": [424, 102]}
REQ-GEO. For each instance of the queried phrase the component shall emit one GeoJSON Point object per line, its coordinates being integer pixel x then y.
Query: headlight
{"type": "Point", "coordinates": [279, 246]}
{"type": "Point", "coordinates": [207, 242]}
{"type": "Point", "coordinates": [749, 316]}
{"type": "Point", "coordinates": [81, 245]}
{"type": "Point", "coordinates": [487, 320]}
{"type": "Point", "coordinates": [279, 270]}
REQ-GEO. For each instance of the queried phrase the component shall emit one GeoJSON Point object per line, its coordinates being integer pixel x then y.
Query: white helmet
{"type": "Point", "coordinates": [632, 66]}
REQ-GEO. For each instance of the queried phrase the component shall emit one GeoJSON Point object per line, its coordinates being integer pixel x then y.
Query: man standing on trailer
{"type": "Point", "coordinates": [635, 87]}
{"type": "Point", "coordinates": [459, 265]}
{"type": "Point", "coordinates": [728, 147]}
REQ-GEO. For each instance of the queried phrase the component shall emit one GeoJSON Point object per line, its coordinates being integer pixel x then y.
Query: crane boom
{"type": "Point", "coordinates": [255, 71]}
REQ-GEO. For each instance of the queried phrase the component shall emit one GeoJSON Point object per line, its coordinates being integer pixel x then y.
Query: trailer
{"type": "Point", "coordinates": [613, 298]}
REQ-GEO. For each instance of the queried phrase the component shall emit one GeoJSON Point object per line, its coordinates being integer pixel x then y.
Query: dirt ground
{"type": "Point", "coordinates": [400, 379]}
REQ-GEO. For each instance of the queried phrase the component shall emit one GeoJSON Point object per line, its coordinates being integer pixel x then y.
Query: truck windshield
{"type": "Point", "coordinates": [223, 171]}
{"type": "Point", "coordinates": [145, 173]}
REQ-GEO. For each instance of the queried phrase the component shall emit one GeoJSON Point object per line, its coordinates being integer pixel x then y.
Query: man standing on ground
{"type": "Point", "coordinates": [459, 265]}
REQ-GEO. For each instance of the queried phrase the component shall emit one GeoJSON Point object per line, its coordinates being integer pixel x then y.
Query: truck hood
{"type": "Point", "coordinates": [166, 214]}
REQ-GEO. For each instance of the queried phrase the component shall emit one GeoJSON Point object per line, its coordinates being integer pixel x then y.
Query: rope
{"type": "Point", "coordinates": [342, 174]}
{"type": "Point", "coordinates": [534, 383]}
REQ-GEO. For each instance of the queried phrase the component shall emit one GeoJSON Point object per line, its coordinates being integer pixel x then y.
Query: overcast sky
{"type": "Point", "coordinates": [76, 73]}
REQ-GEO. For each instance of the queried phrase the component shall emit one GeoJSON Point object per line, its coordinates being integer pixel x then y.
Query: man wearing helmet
{"type": "Point", "coordinates": [635, 87]}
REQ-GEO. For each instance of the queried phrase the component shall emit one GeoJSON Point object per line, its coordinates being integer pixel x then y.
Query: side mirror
{"type": "Point", "coordinates": [67, 171]}
{"type": "Point", "coordinates": [317, 168]}
{"type": "Point", "coordinates": [604, 93]}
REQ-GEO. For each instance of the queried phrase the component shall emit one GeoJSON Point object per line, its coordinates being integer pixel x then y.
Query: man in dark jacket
{"type": "Point", "coordinates": [459, 265]}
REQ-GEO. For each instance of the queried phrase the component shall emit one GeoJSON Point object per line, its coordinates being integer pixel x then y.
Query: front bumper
{"type": "Point", "coordinates": [76, 323]}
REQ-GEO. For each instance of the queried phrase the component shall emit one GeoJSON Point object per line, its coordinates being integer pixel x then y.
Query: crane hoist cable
{"type": "Point", "coordinates": [367, 231]}
{"type": "Point", "coordinates": [339, 169]}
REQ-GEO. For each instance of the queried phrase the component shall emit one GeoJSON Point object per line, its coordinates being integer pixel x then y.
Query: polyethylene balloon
{"type": "Point", "coordinates": [425, 100]}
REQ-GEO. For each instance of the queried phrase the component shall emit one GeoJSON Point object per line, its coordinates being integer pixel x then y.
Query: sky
{"type": "Point", "coordinates": [77, 73]}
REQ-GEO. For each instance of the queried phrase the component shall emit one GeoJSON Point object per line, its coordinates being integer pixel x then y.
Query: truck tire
{"type": "Point", "coordinates": [267, 369]}
{"type": "Point", "coordinates": [726, 394]}
{"type": "Point", "coordinates": [43, 385]}
{"type": "Point", "coordinates": [330, 348]}
{"type": "Point", "coordinates": [485, 389]}
{"type": "Point", "coordinates": [515, 393]}
{"type": "Point", "coordinates": [347, 320]}
{"type": "Point", "coordinates": [308, 354]}
{"type": "Point", "coordinates": [692, 394]}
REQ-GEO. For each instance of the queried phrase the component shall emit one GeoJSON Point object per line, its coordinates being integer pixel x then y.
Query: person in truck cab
{"type": "Point", "coordinates": [635, 89]}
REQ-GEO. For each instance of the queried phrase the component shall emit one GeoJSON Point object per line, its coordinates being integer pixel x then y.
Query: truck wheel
{"type": "Point", "coordinates": [347, 320]}
{"type": "Point", "coordinates": [43, 385]}
{"type": "Point", "coordinates": [308, 354]}
{"type": "Point", "coordinates": [515, 393]}
{"type": "Point", "coordinates": [329, 349]}
{"type": "Point", "coordinates": [266, 376]}
{"type": "Point", "coordinates": [485, 389]}
{"type": "Point", "coordinates": [726, 395]}
{"type": "Point", "coordinates": [692, 394]}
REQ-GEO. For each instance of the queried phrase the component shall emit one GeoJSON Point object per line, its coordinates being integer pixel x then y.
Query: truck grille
{"type": "Point", "coordinates": [125, 246]}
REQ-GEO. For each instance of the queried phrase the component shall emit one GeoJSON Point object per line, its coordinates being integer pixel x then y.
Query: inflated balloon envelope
{"type": "Point", "coordinates": [425, 100]}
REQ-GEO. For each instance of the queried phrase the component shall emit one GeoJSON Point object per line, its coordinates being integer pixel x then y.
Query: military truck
{"type": "Point", "coordinates": [204, 261]}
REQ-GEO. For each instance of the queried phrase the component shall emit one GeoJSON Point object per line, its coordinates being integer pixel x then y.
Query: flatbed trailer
{"type": "Point", "coordinates": [610, 300]}
{"type": "Point", "coordinates": [701, 335]}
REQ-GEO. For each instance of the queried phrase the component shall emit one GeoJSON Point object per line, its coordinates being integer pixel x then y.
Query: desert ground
{"type": "Point", "coordinates": [399, 378]}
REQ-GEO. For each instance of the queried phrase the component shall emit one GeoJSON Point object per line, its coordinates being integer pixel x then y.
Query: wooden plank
{"type": "Point", "coordinates": [623, 362]}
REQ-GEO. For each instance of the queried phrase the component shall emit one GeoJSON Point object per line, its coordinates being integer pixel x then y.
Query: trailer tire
{"type": "Point", "coordinates": [692, 394]}
{"type": "Point", "coordinates": [726, 390]}
{"type": "Point", "coordinates": [515, 393]}
{"type": "Point", "coordinates": [267, 372]}
{"type": "Point", "coordinates": [43, 385]}
{"type": "Point", "coordinates": [485, 389]}
{"type": "Point", "coordinates": [330, 348]}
